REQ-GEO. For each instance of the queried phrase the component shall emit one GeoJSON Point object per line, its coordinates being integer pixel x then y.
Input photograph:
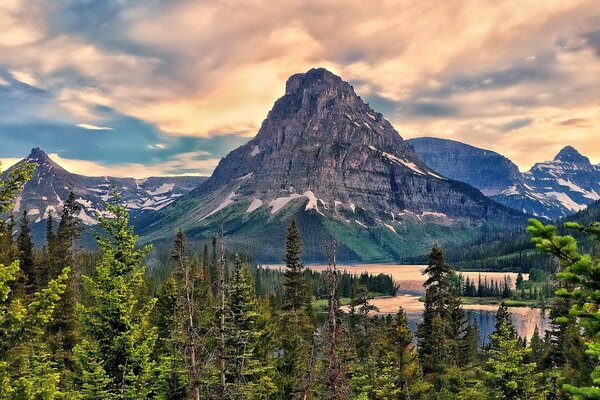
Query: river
{"type": "Point", "coordinates": [410, 280]}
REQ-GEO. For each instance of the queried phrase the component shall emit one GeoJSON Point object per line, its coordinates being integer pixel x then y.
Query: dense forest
{"type": "Point", "coordinates": [76, 324]}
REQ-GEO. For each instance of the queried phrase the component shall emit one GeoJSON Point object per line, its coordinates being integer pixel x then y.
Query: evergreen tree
{"type": "Point", "coordinates": [334, 336]}
{"type": "Point", "coordinates": [187, 310]}
{"type": "Point", "coordinates": [579, 283]}
{"type": "Point", "coordinates": [64, 331]}
{"type": "Point", "coordinates": [397, 372]}
{"type": "Point", "coordinates": [469, 346]}
{"type": "Point", "coordinates": [25, 371]}
{"type": "Point", "coordinates": [25, 244]}
{"type": "Point", "coordinates": [247, 374]}
{"type": "Point", "coordinates": [507, 373]}
{"type": "Point", "coordinates": [115, 358]}
{"type": "Point", "coordinates": [297, 296]}
{"type": "Point", "coordinates": [442, 327]}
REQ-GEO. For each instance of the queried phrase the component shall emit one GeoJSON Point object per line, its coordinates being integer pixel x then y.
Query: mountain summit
{"type": "Point", "coordinates": [551, 189]}
{"type": "Point", "coordinates": [570, 155]}
{"type": "Point", "coordinates": [51, 184]}
{"type": "Point", "coordinates": [326, 158]}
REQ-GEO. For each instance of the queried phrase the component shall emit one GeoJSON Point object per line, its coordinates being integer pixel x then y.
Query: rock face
{"type": "Point", "coordinates": [550, 189]}
{"type": "Point", "coordinates": [322, 149]}
{"type": "Point", "coordinates": [51, 184]}
{"type": "Point", "coordinates": [486, 170]}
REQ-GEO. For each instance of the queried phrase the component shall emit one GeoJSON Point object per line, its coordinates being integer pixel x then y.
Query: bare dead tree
{"type": "Point", "coordinates": [188, 306]}
{"type": "Point", "coordinates": [335, 374]}
{"type": "Point", "coordinates": [221, 291]}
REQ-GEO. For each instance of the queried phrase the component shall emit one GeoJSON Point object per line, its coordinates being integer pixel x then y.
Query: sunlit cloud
{"type": "Point", "coordinates": [94, 127]}
{"type": "Point", "coordinates": [518, 77]}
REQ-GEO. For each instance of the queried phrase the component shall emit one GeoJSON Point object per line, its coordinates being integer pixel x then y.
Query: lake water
{"type": "Point", "coordinates": [410, 280]}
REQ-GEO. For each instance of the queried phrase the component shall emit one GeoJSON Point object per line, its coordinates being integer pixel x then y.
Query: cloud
{"type": "Point", "coordinates": [94, 127]}
{"type": "Point", "coordinates": [516, 124]}
{"type": "Point", "coordinates": [185, 164]}
{"type": "Point", "coordinates": [204, 74]}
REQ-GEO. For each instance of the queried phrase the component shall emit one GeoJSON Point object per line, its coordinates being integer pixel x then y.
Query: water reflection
{"type": "Point", "coordinates": [410, 280]}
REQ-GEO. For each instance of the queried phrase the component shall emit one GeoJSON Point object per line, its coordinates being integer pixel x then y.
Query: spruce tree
{"type": "Point", "coordinates": [297, 296]}
{"type": "Point", "coordinates": [398, 374]}
{"type": "Point", "coordinates": [507, 373]}
{"type": "Point", "coordinates": [579, 282]}
{"type": "Point", "coordinates": [115, 358]}
{"type": "Point", "coordinates": [22, 321]}
{"type": "Point", "coordinates": [186, 282]}
{"type": "Point", "coordinates": [64, 331]}
{"type": "Point", "coordinates": [442, 327]}
{"type": "Point", "coordinates": [295, 325]}
{"type": "Point", "coordinates": [248, 374]}
{"type": "Point", "coordinates": [25, 244]}
{"type": "Point", "coordinates": [334, 336]}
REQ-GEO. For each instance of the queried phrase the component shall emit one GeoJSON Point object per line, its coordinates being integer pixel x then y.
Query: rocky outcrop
{"type": "Point", "coordinates": [322, 147]}
{"type": "Point", "coordinates": [51, 185]}
{"type": "Point", "coordinates": [321, 140]}
{"type": "Point", "coordinates": [550, 189]}
{"type": "Point", "coordinates": [486, 170]}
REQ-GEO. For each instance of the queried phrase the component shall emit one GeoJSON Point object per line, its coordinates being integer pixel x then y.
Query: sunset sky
{"type": "Point", "coordinates": [163, 87]}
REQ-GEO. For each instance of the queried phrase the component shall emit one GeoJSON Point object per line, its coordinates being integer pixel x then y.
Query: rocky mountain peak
{"type": "Point", "coordinates": [570, 155]}
{"type": "Point", "coordinates": [37, 154]}
{"type": "Point", "coordinates": [315, 79]}
{"type": "Point", "coordinates": [42, 159]}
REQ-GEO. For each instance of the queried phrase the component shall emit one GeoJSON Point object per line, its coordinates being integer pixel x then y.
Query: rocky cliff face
{"type": "Point", "coordinates": [326, 152]}
{"type": "Point", "coordinates": [322, 142]}
{"type": "Point", "coordinates": [550, 189]}
{"type": "Point", "coordinates": [565, 185]}
{"type": "Point", "coordinates": [51, 184]}
{"type": "Point", "coordinates": [486, 170]}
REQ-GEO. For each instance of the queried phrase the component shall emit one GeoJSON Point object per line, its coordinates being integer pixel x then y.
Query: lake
{"type": "Point", "coordinates": [410, 280]}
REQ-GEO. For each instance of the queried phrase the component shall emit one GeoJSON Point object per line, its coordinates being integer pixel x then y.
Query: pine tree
{"type": "Point", "coordinates": [247, 374]}
{"type": "Point", "coordinates": [398, 373]}
{"type": "Point", "coordinates": [297, 296]}
{"type": "Point", "coordinates": [25, 244]}
{"type": "Point", "coordinates": [64, 331]}
{"type": "Point", "coordinates": [442, 327]}
{"type": "Point", "coordinates": [115, 358]}
{"type": "Point", "coordinates": [507, 373]}
{"type": "Point", "coordinates": [22, 322]}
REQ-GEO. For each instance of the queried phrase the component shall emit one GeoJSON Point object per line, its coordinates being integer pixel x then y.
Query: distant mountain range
{"type": "Point", "coordinates": [51, 184]}
{"type": "Point", "coordinates": [325, 158]}
{"type": "Point", "coordinates": [550, 189]}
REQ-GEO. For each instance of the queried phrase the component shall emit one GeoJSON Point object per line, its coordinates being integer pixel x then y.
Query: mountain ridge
{"type": "Point", "coordinates": [550, 189]}
{"type": "Point", "coordinates": [323, 152]}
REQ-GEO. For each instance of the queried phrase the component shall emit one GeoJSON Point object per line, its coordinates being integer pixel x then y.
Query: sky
{"type": "Point", "coordinates": [168, 87]}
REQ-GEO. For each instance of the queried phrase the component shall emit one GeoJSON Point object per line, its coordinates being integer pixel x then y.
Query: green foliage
{"type": "Point", "coordinates": [442, 329]}
{"type": "Point", "coordinates": [116, 355]}
{"type": "Point", "coordinates": [580, 280]}
{"type": "Point", "coordinates": [25, 370]}
{"type": "Point", "coordinates": [507, 375]}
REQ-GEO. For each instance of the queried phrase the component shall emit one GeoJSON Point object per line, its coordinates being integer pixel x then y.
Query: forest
{"type": "Point", "coordinates": [78, 324]}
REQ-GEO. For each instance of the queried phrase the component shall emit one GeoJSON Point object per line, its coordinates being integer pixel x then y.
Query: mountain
{"type": "Point", "coordinates": [486, 170]}
{"type": "Point", "coordinates": [550, 189]}
{"type": "Point", "coordinates": [51, 184]}
{"type": "Point", "coordinates": [325, 158]}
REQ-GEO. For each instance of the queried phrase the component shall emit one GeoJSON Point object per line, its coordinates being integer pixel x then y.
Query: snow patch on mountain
{"type": "Point", "coordinates": [280, 202]}
{"type": "Point", "coordinates": [254, 205]}
{"type": "Point", "coordinates": [225, 203]}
